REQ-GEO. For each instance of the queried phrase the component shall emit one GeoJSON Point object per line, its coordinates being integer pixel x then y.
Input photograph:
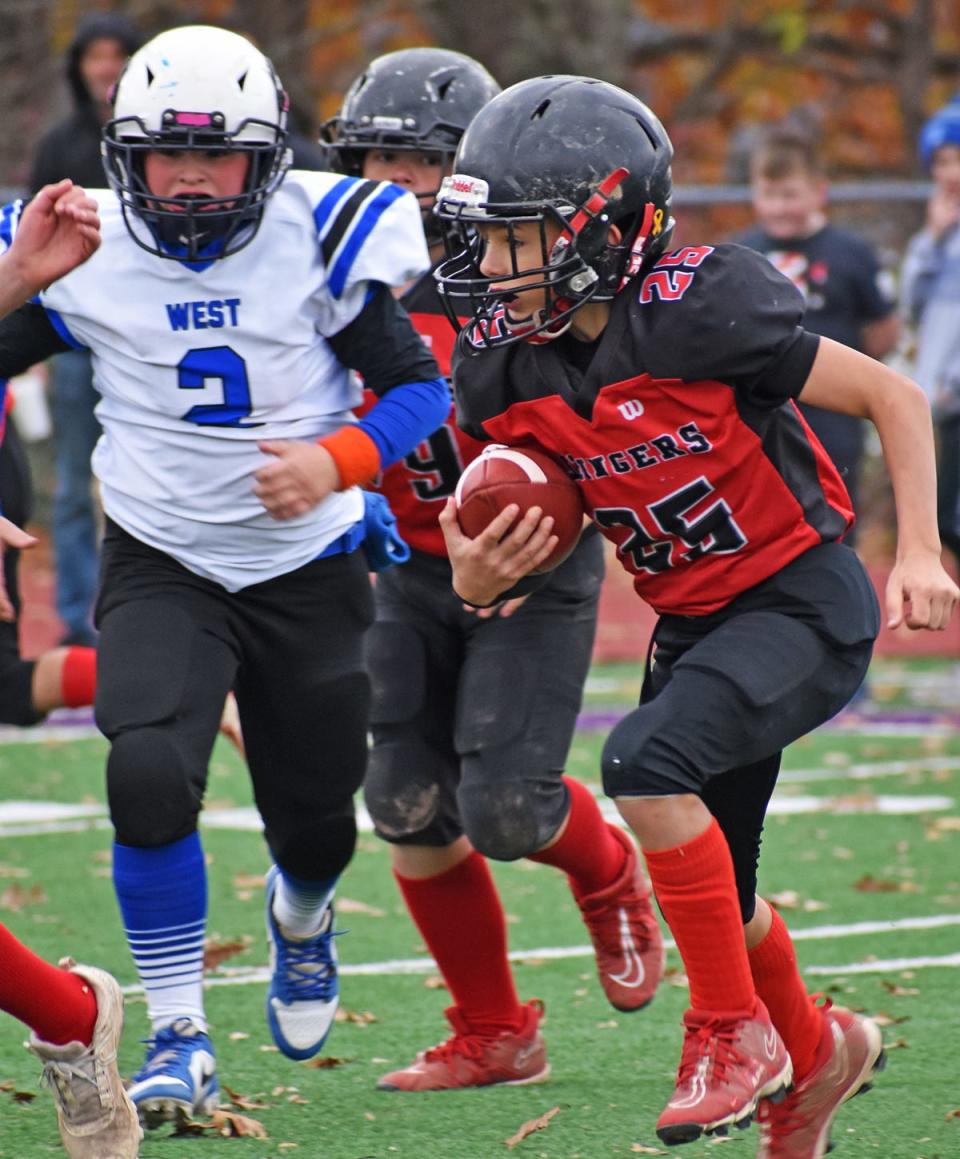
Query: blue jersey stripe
{"type": "Point", "coordinates": [321, 213]}
{"type": "Point", "coordinates": [371, 215]}
{"type": "Point", "coordinates": [61, 328]}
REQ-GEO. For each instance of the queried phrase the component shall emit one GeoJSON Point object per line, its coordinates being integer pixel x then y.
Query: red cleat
{"type": "Point", "coordinates": [728, 1065]}
{"type": "Point", "coordinates": [625, 934]}
{"type": "Point", "coordinates": [468, 1059]}
{"type": "Point", "coordinates": [849, 1054]}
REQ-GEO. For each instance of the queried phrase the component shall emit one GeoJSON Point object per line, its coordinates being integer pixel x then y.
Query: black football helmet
{"type": "Point", "coordinates": [416, 99]}
{"type": "Point", "coordinates": [573, 152]}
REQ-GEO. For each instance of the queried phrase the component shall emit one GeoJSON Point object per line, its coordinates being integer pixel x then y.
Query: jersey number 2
{"type": "Point", "coordinates": [193, 371]}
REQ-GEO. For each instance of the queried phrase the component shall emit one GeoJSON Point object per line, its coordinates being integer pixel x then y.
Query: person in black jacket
{"type": "Point", "coordinates": [71, 148]}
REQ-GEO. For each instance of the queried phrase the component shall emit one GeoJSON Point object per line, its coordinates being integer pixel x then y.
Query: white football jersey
{"type": "Point", "coordinates": [196, 365]}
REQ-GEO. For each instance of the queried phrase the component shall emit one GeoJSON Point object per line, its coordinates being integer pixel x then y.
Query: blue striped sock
{"type": "Point", "coordinates": [299, 906]}
{"type": "Point", "coordinates": [162, 894]}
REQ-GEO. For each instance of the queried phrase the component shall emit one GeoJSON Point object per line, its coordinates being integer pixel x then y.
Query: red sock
{"type": "Point", "coordinates": [696, 889]}
{"type": "Point", "coordinates": [588, 850]}
{"type": "Point", "coordinates": [79, 680]}
{"type": "Point", "coordinates": [779, 985]}
{"type": "Point", "coordinates": [459, 915]}
{"type": "Point", "coordinates": [59, 1007]}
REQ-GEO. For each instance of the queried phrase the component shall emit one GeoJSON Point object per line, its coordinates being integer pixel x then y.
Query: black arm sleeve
{"type": "Point", "coordinates": [382, 345]}
{"type": "Point", "coordinates": [27, 336]}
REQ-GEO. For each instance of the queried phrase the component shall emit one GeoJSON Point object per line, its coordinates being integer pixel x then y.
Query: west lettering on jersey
{"type": "Point", "coordinates": [686, 440]}
{"type": "Point", "coordinates": [213, 314]}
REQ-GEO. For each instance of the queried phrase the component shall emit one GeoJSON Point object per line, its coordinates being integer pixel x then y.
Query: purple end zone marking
{"type": "Point", "coordinates": [601, 720]}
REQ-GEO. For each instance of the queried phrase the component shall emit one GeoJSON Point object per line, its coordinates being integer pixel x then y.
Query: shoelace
{"type": "Point", "coordinates": [305, 969]}
{"type": "Point", "coordinates": [60, 1076]}
{"type": "Point", "coordinates": [466, 1045]}
{"type": "Point", "coordinates": [714, 1040]}
{"type": "Point", "coordinates": [165, 1049]}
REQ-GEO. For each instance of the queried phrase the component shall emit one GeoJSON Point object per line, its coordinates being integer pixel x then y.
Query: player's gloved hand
{"type": "Point", "coordinates": [382, 542]}
{"type": "Point", "coordinates": [500, 556]}
{"type": "Point", "coordinates": [300, 476]}
{"type": "Point", "coordinates": [10, 536]}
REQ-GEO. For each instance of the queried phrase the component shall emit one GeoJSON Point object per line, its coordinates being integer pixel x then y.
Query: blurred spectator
{"type": "Point", "coordinates": [930, 293]}
{"type": "Point", "coordinates": [849, 298]}
{"type": "Point", "coordinates": [71, 148]}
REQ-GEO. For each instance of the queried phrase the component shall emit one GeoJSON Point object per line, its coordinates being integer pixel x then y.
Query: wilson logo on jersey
{"type": "Point", "coordinates": [631, 409]}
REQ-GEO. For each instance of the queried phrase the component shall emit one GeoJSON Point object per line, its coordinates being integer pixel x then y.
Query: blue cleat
{"type": "Point", "coordinates": [178, 1081]}
{"type": "Point", "coordinates": [304, 992]}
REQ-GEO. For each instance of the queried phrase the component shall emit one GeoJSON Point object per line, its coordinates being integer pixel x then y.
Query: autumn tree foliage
{"type": "Point", "coordinates": [863, 75]}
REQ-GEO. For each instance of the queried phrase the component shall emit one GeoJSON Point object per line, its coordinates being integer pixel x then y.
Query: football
{"type": "Point", "coordinates": [529, 478]}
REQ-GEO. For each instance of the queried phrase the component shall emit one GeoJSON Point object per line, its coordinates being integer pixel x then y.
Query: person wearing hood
{"type": "Point", "coordinates": [71, 148]}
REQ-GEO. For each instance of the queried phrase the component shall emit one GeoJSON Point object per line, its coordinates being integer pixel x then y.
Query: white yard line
{"type": "Point", "coordinates": [400, 966]}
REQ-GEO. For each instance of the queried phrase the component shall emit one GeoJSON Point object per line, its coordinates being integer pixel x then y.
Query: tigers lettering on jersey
{"type": "Point", "coordinates": [210, 315]}
{"type": "Point", "coordinates": [686, 440]}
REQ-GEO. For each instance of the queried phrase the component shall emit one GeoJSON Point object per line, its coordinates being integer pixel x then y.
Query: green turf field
{"type": "Point", "coordinates": [862, 851]}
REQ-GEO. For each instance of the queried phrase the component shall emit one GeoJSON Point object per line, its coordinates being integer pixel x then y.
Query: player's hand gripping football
{"type": "Point", "coordinates": [300, 476]}
{"type": "Point", "coordinates": [500, 555]}
{"type": "Point", "coordinates": [920, 594]}
{"type": "Point", "coordinates": [10, 536]}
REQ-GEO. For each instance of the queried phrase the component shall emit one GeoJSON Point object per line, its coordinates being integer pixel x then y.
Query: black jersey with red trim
{"type": "Point", "coordinates": [678, 424]}
{"type": "Point", "coordinates": [418, 485]}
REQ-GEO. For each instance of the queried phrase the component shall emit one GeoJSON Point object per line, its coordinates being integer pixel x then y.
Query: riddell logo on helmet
{"type": "Point", "coordinates": [467, 190]}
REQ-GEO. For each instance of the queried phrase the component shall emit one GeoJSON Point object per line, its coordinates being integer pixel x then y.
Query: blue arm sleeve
{"type": "Point", "coordinates": [405, 416]}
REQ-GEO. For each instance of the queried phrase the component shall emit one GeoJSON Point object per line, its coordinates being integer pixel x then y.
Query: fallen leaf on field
{"type": "Point", "coordinates": [225, 1123]}
{"type": "Point", "coordinates": [243, 1102]}
{"type": "Point", "coordinates": [249, 881]}
{"type": "Point", "coordinates": [889, 1020]}
{"type": "Point", "coordinates": [216, 952]}
{"type": "Point", "coordinates": [950, 1115]}
{"type": "Point", "coordinates": [639, 1149]}
{"type": "Point", "coordinates": [15, 897]}
{"type": "Point", "coordinates": [785, 899]}
{"type": "Point", "coordinates": [328, 1062]}
{"type": "Point", "coordinates": [434, 982]}
{"type": "Point", "coordinates": [14, 871]}
{"type": "Point", "coordinates": [899, 991]}
{"type": "Point", "coordinates": [346, 905]}
{"type": "Point", "coordinates": [870, 884]}
{"type": "Point", "coordinates": [363, 1017]}
{"type": "Point", "coordinates": [238, 1126]}
{"type": "Point", "coordinates": [531, 1127]}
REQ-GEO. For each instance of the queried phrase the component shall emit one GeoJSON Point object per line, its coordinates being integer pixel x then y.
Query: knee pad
{"type": "Point", "coordinates": [635, 761]}
{"type": "Point", "coordinates": [153, 798]}
{"type": "Point", "coordinates": [409, 790]}
{"type": "Point", "coordinates": [509, 820]}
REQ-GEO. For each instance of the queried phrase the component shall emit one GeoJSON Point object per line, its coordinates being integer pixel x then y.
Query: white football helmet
{"type": "Point", "coordinates": [202, 88]}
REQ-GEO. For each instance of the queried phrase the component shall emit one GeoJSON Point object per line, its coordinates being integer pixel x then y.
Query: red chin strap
{"type": "Point", "coordinates": [597, 202]}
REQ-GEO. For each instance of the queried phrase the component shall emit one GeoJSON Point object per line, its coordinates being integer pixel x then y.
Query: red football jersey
{"type": "Point", "coordinates": [418, 485]}
{"type": "Point", "coordinates": [679, 426]}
